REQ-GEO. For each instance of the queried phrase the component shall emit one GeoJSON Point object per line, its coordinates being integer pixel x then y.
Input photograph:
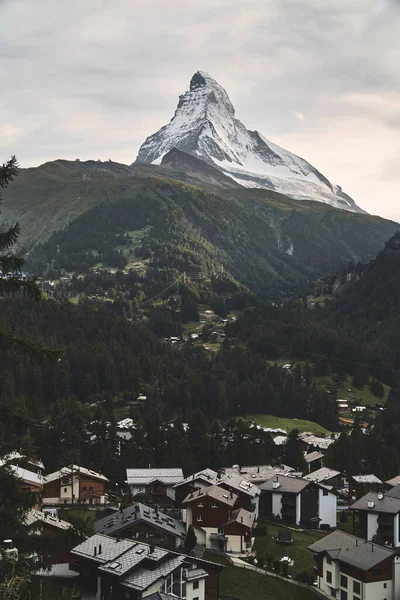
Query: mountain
{"type": "Point", "coordinates": [78, 215]}
{"type": "Point", "coordinates": [367, 306]}
{"type": "Point", "coordinates": [204, 126]}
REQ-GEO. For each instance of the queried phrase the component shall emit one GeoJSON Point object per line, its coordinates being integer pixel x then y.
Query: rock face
{"type": "Point", "coordinates": [204, 126]}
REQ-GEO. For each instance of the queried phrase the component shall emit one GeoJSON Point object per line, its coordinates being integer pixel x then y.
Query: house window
{"type": "Point", "coordinates": [343, 581]}
{"type": "Point", "coordinates": [333, 592]}
{"type": "Point", "coordinates": [195, 585]}
{"type": "Point", "coordinates": [220, 530]}
{"type": "Point", "coordinates": [200, 504]}
{"type": "Point", "coordinates": [214, 505]}
{"type": "Point", "coordinates": [65, 490]}
{"type": "Point", "coordinates": [376, 572]}
{"type": "Point", "coordinates": [356, 587]}
{"type": "Point", "coordinates": [329, 560]}
{"type": "Point", "coordinates": [343, 595]}
{"type": "Point", "coordinates": [329, 576]}
{"type": "Point", "coordinates": [325, 492]}
{"type": "Point", "coordinates": [385, 585]}
{"type": "Point", "coordinates": [84, 489]}
{"type": "Point", "coordinates": [90, 490]}
{"type": "Point", "coordinates": [199, 517]}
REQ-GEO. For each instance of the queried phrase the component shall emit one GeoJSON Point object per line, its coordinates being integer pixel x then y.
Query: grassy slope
{"type": "Point", "coordinates": [303, 558]}
{"type": "Point", "coordinates": [248, 585]}
{"type": "Point", "coordinates": [363, 397]}
{"type": "Point", "coordinates": [288, 424]}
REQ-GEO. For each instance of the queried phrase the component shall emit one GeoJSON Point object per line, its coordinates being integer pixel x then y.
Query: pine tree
{"type": "Point", "coordinates": [11, 281]}
{"type": "Point", "coordinates": [191, 539]}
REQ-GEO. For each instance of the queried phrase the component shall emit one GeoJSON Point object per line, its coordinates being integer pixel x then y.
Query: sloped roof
{"type": "Point", "coordinates": [215, 492]}
{"type": "Point", "coordinates": [18, 456]}
{"type": "Point", "coordinates": [35, 516]}
{"type": "Point", "coordinates": [142, 578]}
{"type": "Point", "coordinates": [287, 484]}
{"type": "Point", "coordinates": [394, 481]}
{"type": "Point", "coordinates": [314, 440]}
{"type": "Point", "coordinates": [25, 475]}
{"type": "Point", "coordinates": [258, 473]}
{"type": "Point", "coordinates": [111, 548]}
{"type": "Point", "coordinates": [371, 478]}
{"type": "Point", "coordinates": [243, 517]}
{"type": "Point", "coordinates": [66, 471]}
{"type": "Point", "coordinates": [322, 474]}
{"type": "Point", "coordinates": [386, 504]}
{"type": "Point", "coordinates": [146, 476]}
{"type": "Point", "coordinates": [240, 484]}
{"type": "Point", "coordinates": [351, 550]}
{"type": "Point", "coordinates": [120, 520]}
{"type": "Point", "coordinates": [206, 475]}
{"type": "Point", "coordinates": [313, 456]}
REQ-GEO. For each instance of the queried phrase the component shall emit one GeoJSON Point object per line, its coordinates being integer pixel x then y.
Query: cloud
{"type": "Point", "coordinates": [94, 78]}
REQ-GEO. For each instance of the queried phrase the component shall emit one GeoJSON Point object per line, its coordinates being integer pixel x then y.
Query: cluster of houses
{"type": "Point", "coordinates": [138, 547]}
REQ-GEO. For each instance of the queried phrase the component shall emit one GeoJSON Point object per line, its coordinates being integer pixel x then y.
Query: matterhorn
{"type": "Point", "coordinates": [204, 126]}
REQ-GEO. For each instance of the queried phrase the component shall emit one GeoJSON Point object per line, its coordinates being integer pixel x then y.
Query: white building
{"type": "Point", "coordinates": [350, 568]}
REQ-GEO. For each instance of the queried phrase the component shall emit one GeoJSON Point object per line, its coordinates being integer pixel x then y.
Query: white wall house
{"type": "Point", "coordinates": [378, 515]}
{"type": "Point", "coordinates": [351, 568]}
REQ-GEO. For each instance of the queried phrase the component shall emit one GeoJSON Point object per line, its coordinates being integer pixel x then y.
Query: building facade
{"type": "Point", "coordinates": [75, 485]}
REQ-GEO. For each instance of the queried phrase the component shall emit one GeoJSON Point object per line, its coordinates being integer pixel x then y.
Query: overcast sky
{"type": "Point", "coordinates": [94, 78]}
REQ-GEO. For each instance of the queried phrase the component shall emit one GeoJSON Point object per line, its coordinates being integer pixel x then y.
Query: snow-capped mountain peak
{"type": "Point", "coordinates": [204, 125]}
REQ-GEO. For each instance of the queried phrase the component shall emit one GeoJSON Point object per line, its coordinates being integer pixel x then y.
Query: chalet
{"type": "Point", "coordinates": [28, 471]}
{"type": "Point", "coordinates": [315, 442]}
{"type": "Point", "coordinates": [156, 484]}
{"type": "Point", "coordinates": [314, 460]}
{"type": "Point", "coordinates": [54, 530]}
{"type": "Point", "coordinates": [142, 522]}
{"type": "Point", "coordinates": [329, 477]}
{"type": "Point", "coordinates": [75, 484]}
{"type": "Point", "coordinates": [200, 480]}
{"type": "Point", "coordinates": [113, 569]}
{"type": "Point", "coordinates": [297, 501]}
{"type": "Point", "coordinates": [247, 492]}
{"type": "Point", "coordinates": [377, 516]}
{"type": "Point", "coordinates": [259, 473]}
{"type": "Point", "coordinates": [349, 567]}
{"type": "Point", "coordinates": [238, 531]}
{"type": "Point", "coordinates": [359, 485]}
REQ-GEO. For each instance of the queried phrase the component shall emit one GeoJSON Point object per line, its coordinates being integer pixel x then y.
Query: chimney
{"type": "Point", "coordinates": [151, 548]}
{"type": "Point", "coordinates": [275, 484]}
{"type": "Point", "coordinates": [370, 504]}
{"type": "Point", "coordinates": [380, 495]}
{"type": "Point", "coordinates": [231, 494]}
{"type": "Point", "coordinates": [99, 548]}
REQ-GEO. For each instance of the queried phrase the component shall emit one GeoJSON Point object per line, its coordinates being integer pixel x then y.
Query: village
{"type": "Point", "coordinates": [167, 533]}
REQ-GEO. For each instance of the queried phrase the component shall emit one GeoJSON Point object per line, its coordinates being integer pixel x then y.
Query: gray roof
{"type": "Point", "coordinates": [386, 504]}
{"type": "Point", "coordinates": [322, 474]}
{"type": "Point", "coordinates": [215, 492]}
{"type": "Point", "coordinates": [35, 516]}
{"type": "Point", "coordinates": [76, 469]}
{"type": "Point", "coordinates": [394, 481]}
{"type": "Point", "coordinates": [160, 596]}
{"type": "Point", "coordinates": [146, 476]}
{"type": "Point", "coordinates": [206, 475]}
{"type": "Point", "coordinates": [238, 483]}
{"type": "Point", "coordinates": [351, 550]}
{"type": "Point", "coordinates": [243, 517]}
{"type": "Point", "coordinates": [193, 574]}
{"type": "Point", "coordinates": [287, 484]}
{"type": "Point", "coordinates": [111, 548]}
{"type": "Point", "coordinates": [370, 478]}
{"type": "Point", "coordinates": [132, 558]}
{"type": "Point", "coordinates": [393, 492]}
{"type": "Point", "coordinates": [313, 456]}
{"type": "Point", "coordinates": [142, 578]}
{"type": "Point", "coordinates": [259, 473]}
{"type": "Point", "coordinates": [120, 520]}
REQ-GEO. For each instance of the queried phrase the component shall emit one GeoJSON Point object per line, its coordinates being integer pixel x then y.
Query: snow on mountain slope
{"type": "Point", "coordinates": [204, 125]}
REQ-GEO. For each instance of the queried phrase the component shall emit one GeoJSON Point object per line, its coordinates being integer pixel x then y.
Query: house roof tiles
{"type": "Point", "coordinates": [215, 492]}
{"type": "Point", "coordinates": [351, 550]}
{"type": "Point", "coordinates": [122, 519]}
{"type": "Point", "coordinates": [375, 503]}
{"type": "Point", "coordinates": [146, 476]}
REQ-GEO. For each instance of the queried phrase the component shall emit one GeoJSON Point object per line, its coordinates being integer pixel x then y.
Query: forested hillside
{"type": "Point", "coordinates": [79, 216]}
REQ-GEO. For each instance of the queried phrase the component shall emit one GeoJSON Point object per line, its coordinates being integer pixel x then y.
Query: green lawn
{"type": "Point", "coordinates": [248, 585]}
{"type": "Point", "coordinates": [288, 424]}
{"type": "Point", "coordinates": [363, 397]}
{"type": "Point", "coordinates": [303, 558]}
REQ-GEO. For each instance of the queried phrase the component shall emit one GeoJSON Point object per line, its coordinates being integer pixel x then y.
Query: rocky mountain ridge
{"type": "Point", "coordinates": [204, 126]}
